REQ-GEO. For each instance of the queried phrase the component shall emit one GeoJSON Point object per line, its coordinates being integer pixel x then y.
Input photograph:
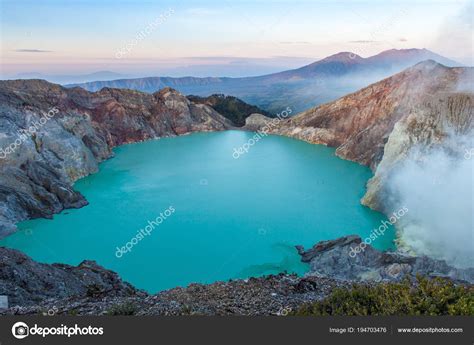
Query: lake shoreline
{"type": "Point", "coordinates": [90, 289]}
{"type": "Point", "coordinates": [145, 179]}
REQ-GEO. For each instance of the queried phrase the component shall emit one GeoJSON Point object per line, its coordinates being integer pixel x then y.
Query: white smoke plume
{"type": "Point", "coordinates": [438, 189]}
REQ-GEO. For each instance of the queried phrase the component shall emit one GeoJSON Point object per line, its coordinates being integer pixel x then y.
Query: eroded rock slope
{"type": "Point", "coordinates": [378, 125]}
{"type": "Point", "coordinates": [51, 136]}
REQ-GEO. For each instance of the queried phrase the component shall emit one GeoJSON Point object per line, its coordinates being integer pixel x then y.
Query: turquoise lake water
{"type": "Point", "coordinates": [233, 218]}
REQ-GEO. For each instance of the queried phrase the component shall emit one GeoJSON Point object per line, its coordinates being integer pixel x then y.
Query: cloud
{"type": "Point", "coordinates": [296, 42]}
{"type": "Point", "coordinates": [364, 41]}
{"type": "Point", "coordinates": [32, 51]}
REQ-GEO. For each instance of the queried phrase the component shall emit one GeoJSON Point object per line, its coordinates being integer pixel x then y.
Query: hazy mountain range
{"type": "Point", "coordinates": [300, 88]}
{"type": "Point", "coordinates": [69, 78]}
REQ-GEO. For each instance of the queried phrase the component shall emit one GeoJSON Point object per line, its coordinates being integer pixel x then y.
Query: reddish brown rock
{"type": "Point", "coordinates": [37, 175]}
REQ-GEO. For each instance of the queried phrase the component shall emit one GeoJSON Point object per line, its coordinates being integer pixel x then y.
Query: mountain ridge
{"type": "Point", "coordinates": [301, 88]}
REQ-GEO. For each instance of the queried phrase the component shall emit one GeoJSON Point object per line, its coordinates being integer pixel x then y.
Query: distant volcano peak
{"type": "Point", "coordinates": [343, 57]}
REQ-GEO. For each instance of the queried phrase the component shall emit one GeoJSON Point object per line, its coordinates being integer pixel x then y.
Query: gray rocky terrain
{"type": "Point", "coordinates": [348, 258]}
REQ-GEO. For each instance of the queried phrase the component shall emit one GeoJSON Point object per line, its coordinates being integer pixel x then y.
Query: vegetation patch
{"type": "Point", "coordinates": [422, 296]}
{"type": "Point", "coordinates": [230, 107]}
{"type": "Point", "coordinates": [126, 309]}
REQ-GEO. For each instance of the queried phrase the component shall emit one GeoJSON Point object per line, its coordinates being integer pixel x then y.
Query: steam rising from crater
{"type": "Point", "coordinates": [438, 189]}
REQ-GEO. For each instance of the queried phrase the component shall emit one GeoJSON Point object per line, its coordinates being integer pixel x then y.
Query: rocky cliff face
{"type": "Point", "coordinates": [256, 121]}
{"type": "Point", "coordinates": [27, 282]}
{"type": "Point", "coordinates": [379, 124]}
{"type": "Point", "coordinates": [51, 136]}
{"type": "Point", "coordinates": [427, 127]}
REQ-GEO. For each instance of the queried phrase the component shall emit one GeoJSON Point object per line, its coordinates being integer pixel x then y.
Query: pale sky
{"type": "Point", "coordinates": [214, 37]}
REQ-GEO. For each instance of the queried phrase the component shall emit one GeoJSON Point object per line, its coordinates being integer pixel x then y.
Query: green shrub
{"type": "Point", "coordinates": [126, 308]}
{"type": "Point", "coordinates": [421, 297]}
{"type": "Point", "coordinates": [94, 290]}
